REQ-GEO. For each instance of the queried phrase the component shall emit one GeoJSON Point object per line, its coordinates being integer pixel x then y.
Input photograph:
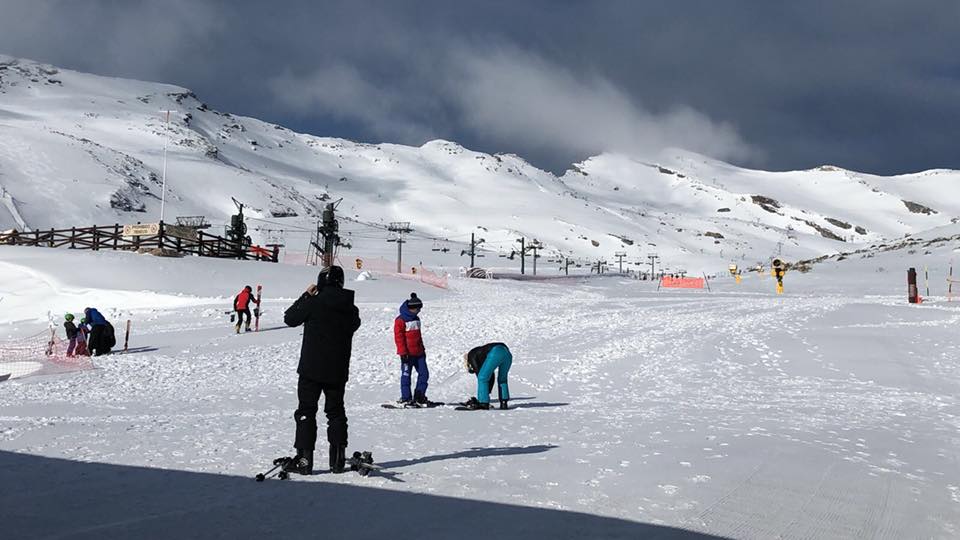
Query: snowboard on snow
{"type": "Point", "coordinates": [431, 405]}
{"type": "Point", "coordinates": [463, 407]}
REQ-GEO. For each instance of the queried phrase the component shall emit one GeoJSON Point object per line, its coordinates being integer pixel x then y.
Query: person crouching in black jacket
{"type": "Point", "coordinates": [330, 319]}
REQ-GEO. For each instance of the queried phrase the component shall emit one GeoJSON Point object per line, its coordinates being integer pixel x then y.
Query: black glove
{"type": "Point", "coordinates": [404, 358]}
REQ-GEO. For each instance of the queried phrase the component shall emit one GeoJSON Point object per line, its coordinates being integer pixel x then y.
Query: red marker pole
{"type": "Point", "coordinates": [257, 310]}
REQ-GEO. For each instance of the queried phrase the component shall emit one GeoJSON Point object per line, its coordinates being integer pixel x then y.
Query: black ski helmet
{"type": "Point", "coordinates": [330, 276]}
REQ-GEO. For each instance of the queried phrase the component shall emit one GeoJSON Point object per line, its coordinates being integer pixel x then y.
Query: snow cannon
{"type": "Point", "coordinates": [735, 272]}
{"type": "Point", "coordinates": [913, 295]}
{"type": "Point", "coordinates": [778, 270]}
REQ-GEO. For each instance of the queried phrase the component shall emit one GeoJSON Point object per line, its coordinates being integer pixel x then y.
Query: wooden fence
{"type": "Point", "coordinates": [163, 236]}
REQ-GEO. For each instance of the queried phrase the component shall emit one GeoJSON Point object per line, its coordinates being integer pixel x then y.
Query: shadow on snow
{"type": "Point", "coordinates": [45, 497]}
{"type": "Point", "coordinates": [471, 453]}
{"type": "Point", "coordinates": [537, 405]}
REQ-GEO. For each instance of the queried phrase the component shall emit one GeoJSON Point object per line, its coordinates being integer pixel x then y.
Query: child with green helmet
{"type": "Point", "coordinates": [72, 334]}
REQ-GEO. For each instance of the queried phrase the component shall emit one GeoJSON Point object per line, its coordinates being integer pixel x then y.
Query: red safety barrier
{"type": "Point", "coordinates": [681, 282]}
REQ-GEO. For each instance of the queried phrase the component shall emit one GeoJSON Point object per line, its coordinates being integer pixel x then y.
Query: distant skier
{"type": "Point", "coordinates": [241, 304]}
{"type": "Point", "coordinates": [73, 334]}
{"type": "Point", "coordinates": [407, 334]}
{"type": "Point", "coordinates": [330, 319]}
{"type": "Point", "coordinates": [102, 337]}
{"type": "Point", "coordinates": [483, 361]}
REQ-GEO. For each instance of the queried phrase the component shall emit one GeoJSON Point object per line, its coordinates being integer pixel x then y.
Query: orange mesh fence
{"type": "Point", "coordinates": [41, 354]}
{"type": "Point", "coordinates": [681, 283]}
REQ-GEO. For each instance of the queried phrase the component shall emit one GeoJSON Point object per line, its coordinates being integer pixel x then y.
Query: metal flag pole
{"type": "Point", "coordinates": [163, 186]}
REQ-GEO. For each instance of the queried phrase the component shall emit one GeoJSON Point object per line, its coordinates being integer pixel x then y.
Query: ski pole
{"type": "Point", "coordinates": [126, 339]}
{"type": "Point", "coordinates": [277, 463]}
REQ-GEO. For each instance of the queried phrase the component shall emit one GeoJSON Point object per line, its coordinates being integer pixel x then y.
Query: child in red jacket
{"type": "Point", "coordinates": [406, 334]}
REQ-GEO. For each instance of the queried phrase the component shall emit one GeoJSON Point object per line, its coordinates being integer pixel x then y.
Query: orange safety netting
{"type": "Point", "coordinates": [40, 354]}
{"type": "Point", "coordinates": [681, 283]}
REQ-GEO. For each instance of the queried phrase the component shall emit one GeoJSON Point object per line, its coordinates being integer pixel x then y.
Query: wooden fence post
{"type": "Point", "coordinates": [96, 238]}
{"type": "Point", "coordinates": [160, 237]}
{"type": "Point", "coordinates": [73, 237]}
{"type": "Point", "coordinates": [200, 240]}
{"type": "Point", "coordinates": [50, 240]}
{"type": "Point", "coordinates": [116, 235]}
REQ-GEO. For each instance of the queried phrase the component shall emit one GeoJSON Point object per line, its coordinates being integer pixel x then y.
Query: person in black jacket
{"type": "Point", "coordinates": [330, 319]}
{"type": "Point", "coordinates": [102, 337]}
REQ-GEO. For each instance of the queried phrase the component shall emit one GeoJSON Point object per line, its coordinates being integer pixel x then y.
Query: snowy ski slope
{"type": "Point", "coordinates": [828, 412]}
{"type": "Point", "coordinates": [79, 149]}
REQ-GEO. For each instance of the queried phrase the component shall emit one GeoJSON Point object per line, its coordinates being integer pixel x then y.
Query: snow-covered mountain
{"type": "Point", "coordinates": [79, 149]}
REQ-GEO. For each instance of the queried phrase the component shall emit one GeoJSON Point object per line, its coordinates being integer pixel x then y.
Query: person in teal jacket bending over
{"type": "Point", "coordinates": [483, 361]}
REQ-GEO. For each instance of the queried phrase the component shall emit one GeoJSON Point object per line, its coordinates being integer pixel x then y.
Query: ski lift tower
{"type": "Point", "coordinates": [653, 260]}
{"type": "Point", "coordinates": [620, 256]}
{"type": "Point", "coordinates": [327, 238]}
{"type": "Point", "coordinates": [399, 228]}
{"type": "Point", "coordinates": [237, 230]}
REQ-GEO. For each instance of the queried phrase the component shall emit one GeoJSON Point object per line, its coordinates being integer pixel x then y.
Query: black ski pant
{"type": "Point", "coordinates": [240, 314]}
{"type": "Point", "coordinates": [308, 393]}
{"type": "Point", "coordinates": [97, 343]}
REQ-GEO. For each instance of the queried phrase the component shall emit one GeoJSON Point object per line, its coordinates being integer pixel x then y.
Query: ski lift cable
{"type": "Point", "coordinates": [288, 226]}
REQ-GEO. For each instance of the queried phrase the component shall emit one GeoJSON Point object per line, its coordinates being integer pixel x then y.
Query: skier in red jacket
{"type": "Point", "coordinates": [241, 304]}
{"type": "Point", "coordinates": [409, 340]}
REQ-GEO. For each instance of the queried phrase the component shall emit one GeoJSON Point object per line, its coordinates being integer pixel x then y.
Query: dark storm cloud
{"type": "Point", "coordinates": [867, 85]}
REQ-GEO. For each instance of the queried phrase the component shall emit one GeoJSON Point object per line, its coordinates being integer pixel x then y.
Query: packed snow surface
{"type": "Point", "coordinates": [828, 412]}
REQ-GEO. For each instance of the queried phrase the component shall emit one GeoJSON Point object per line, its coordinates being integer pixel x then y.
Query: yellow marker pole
{"type": "Point", "coordinates": [738, 278]}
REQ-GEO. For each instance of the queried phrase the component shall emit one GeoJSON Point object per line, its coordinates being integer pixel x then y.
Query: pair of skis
{"type": "Point", "coordinates": [360, 462]}
{"type": "Point", "coordinates": [256, 311]}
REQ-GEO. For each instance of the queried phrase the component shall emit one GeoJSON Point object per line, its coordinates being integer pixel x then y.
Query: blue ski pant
{"type": "Point", "coordinates": [423, 376]}
{"type": "Point", "coordinates": [498, 359]}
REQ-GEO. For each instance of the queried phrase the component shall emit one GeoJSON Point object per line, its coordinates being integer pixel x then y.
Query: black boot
{"type": "Point", "coordinates": [421, 399]}
{"type": "Point", "coordinates": [474, 405]}
{"type": "Point", "coordinates": [338, 458]}
{"type": "Point", "coordinates": [503, 405]}
{"type": "Point", "coordinates": [301, 464]}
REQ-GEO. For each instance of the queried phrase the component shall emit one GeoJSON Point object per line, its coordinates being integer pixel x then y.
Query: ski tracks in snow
{"type": "Point", "coordinates": [748, 416]}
